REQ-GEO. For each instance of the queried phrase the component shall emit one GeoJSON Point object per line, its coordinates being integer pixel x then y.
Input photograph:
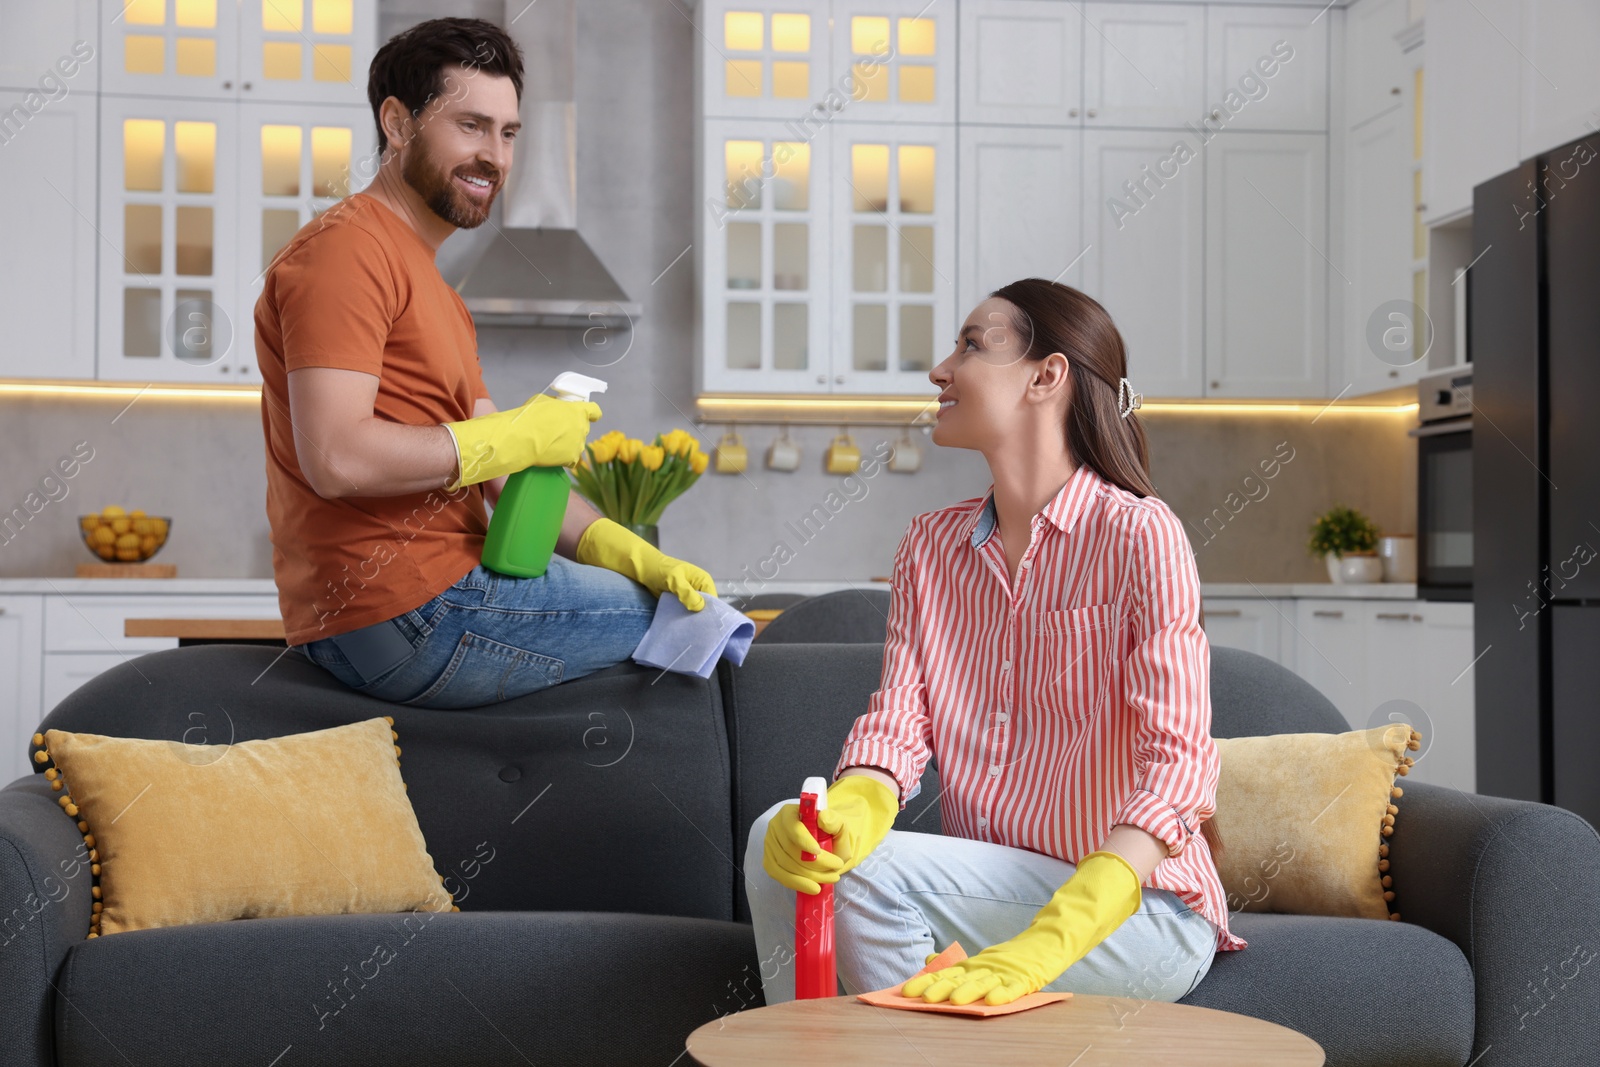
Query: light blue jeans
{"type": "Point", "coordinates": [917, 892]}
{"type": "Point", "coordinates": [491, 637]}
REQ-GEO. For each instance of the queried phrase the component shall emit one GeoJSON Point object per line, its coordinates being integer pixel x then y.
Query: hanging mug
{"type": "Point", "coordinates": [906, 457]}
{"type": "Point", "coordinates": [783, 454]}
{"type": "Point", "coordinates": [842, 456]}
{"type": "Point", "coordinates": [731, 456]}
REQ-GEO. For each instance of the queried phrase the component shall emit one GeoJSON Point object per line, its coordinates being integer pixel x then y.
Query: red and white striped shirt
{"type": "Point", "coordinates": [1057, 709]}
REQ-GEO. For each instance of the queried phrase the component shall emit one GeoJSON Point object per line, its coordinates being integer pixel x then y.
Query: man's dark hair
{"type": "Point", "coordinates": [410, 65]}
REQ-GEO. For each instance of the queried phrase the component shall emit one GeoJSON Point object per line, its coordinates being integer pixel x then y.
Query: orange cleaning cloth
{"type": "Point", "coordinates": [891, 998]}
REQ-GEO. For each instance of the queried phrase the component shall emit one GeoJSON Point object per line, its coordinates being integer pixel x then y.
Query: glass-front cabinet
{"type": "Point", "coordinates": [766, 264]}
{"type": "Point", "coordinates": [305, 50]}
{"type": "Point", "coordinates": [767, 59]}
{"type": "Point", "coordinates": [895, 59]}
{"type": "Point", "coordinates": [893, 239]}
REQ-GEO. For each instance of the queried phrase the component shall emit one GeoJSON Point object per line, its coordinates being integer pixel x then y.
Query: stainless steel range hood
{"type": "Point", "coordinates": [538, 270]}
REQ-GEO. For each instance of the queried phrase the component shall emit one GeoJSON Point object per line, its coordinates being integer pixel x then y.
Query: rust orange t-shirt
{"type": "Point", "coordinates": [357, 288]}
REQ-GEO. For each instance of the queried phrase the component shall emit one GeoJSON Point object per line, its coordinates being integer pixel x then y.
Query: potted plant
{"type": "Point", "coordinates": [1347, 540]}
{"type": "Point", "coordinates": [631, 483]}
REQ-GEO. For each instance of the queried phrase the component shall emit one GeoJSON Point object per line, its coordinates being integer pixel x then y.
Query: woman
{"type": "Point", "coordinates": [1045, 645]}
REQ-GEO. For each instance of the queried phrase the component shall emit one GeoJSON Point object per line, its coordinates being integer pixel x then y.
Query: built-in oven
{"type": "Point", "coordinates": [1444, 485]}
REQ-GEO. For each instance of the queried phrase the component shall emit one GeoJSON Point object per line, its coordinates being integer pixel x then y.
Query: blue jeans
{"type": "Point", "coordinates": [917, 892]}
{"type": "Point", "coordinates": [491, 637]}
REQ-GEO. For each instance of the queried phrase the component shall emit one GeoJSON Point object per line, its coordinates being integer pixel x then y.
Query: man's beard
{"type": "Point", "coordinates": [438, 190]}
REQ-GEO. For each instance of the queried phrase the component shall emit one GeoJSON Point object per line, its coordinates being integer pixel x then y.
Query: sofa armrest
{"type": "Point", "coordinates": [45, 905]}
{"type": "Point", "coordinates": [1516, 885]}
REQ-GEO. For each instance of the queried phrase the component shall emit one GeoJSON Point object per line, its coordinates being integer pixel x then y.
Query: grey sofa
{"type": "Point", "coordinates": [590, 832]}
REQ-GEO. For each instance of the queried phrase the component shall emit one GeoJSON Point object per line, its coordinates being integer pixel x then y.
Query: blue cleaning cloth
{"type": "Point", "coordinates": [691, 642]}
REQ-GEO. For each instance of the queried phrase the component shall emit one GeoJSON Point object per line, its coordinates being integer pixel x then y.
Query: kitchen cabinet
{"type": "Point", "coordinates": [1250, 623]}
{"type": "Point", "coordinates": [35, 37]}
{"type": "Point", "coordinates": [767, 59]}
{"type": "Point", "coordinates": [1471, 134]}
{"type": "Point", "coordinates": [1266, 265]}
{"type": "Point", "coordinates": [1146, 254]}
{"type": "Point", "coordinates": [900, 56]}
{"type": "Point", "coordinates": [48, 167]}
{"type": "Point", "coordinates": [20, 633]}
{"type": "Point", "coordinates": [1242, 37]}
{"type": "Point", "coordinates": [1376, 72]}
{"type": "Point", "coordinates": [1022, 63]}
{"type": "Point", "coordinates": [1560, 81]}
{"type": "Point", "coordinates": [894, 210]}
{"type": "Point", "coordinates": [194, 194]}
{"type": "Point", "coordinates": [1329, 650]}
{"type": "Point", "coordinates": [1001, 168]}
{"type": "Point", "coordinates": [307, 51]}
{"type": "Point", "coordinates": [765, 262]}
{"type": "Point", "coordinates": [1144, 64]}
{"type": "Point", "coordinates": [1382, 346]}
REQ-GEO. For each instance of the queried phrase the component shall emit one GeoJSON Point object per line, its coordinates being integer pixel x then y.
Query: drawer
{"type": "Point", "coordinates": [94, 623]}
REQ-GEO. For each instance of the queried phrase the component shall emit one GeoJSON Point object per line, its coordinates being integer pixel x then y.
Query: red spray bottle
{"type": "Point", "coordinates": [813, 914]}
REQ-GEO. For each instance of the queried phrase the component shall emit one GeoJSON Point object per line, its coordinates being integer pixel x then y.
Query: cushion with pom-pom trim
{"type": "Point", "coordinates": [315, 823]}
{"type": "Point", "coordinates": [1305, 820]}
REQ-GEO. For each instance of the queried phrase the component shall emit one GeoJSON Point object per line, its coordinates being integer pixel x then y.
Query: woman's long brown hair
{"type": "Point", "coordinates": [1051, 317]}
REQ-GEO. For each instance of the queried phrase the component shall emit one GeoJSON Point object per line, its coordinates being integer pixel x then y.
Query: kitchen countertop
{"type": "Point", "coordinates": [729, 586]}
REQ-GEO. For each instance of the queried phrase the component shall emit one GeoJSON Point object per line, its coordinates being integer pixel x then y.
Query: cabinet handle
{"type": "Point", "coordinates": [1395, 91]}
{"type": "Point", "coordinates": [822, 379]}
{"type": "Point", "coordinates": [1421, 208]}
{"type": "Point", "coordinates": [246, 86]}
{"type": "Point", "coordinates": [1073, 113]}
{"type": "Point", "coordinates": [2, 611]}
{"type": "Point", "coordinates": [227, 85]}
{"type": "Point", "coordinates": [1403, 616]}
{"type": "Point", "coordinates": [1227, 613]}
{"type": "Point", "coordinates": [1216, 385]}
{"type": "Point", "coordinates": [1091, 112]}
{"type": "Point", "coordinates": [1328, 614]}
{"type": "Point", "coordinates": [838, 379]}
{"type": "Point", "coordinates": [1216, 114]}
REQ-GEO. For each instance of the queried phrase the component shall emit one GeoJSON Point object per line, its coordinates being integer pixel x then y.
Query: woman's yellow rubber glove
{"type": "Point", "coordinates": [860, 812]}
{"type": "Point", "coordinates": [544, 432]}
{"type": "Point", "coordinates": [616, 548]}
{"type": "Point", "coordinates": [1097, 899]}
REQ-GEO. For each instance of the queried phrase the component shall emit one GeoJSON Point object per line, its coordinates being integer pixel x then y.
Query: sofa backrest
{"type": "Point", "coordinates": [1251, 696]}
{"type": "Point", "coordinates": [606, 793]}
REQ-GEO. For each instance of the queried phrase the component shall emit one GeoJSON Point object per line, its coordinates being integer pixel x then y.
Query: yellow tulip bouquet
{"type": "Point", "coordinates": [630, 482]}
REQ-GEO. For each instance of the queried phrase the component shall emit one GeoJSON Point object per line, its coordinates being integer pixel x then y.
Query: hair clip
{"type": "Point", "coordinates": [1127, 399]}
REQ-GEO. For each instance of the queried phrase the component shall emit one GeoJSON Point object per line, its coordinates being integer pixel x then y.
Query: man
{"type": "Point", "coordinates": [382, 444]}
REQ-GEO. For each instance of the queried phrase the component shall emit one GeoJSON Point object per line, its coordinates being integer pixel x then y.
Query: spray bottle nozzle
{"type": "Point", "coordinates": [570, 385]}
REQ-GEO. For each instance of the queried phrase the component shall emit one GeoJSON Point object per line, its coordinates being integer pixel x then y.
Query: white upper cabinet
{"type": "Point", "coordinates": [51, 48]}
{"type": "Point", "coordinates": [168, 215]}
{"type": "Point", "coordinates": [295, 162]}
{"type": "Point", "coordinates": [47, 170]}
{"type": "Point", "coordinates": [1144, 228]}
{"type": "Point", "coordinates": [898, 57]}
{"type": "Point", "coordinates": [1021, 63]}
{"type": "Point", "coordinates": [768, 59]}
{"type": "Point", "coordinates": [1379, 336]}
{"type": "Point", "coordinates": [1266, 67]}
{"type": "Point", "coordinates": [764, 258]}
{"type": "Point", "coordinates": [894, 214]}
{"type": "Point", "coordinates": [1021, 191]}
{"type": "Point", "coordinates": [285, 50]}
{"type": "Point", "coordinates": [1266, 265]}
{"type": "Point", "coordinates": [1376, 72]}
{"type": "Point", "coordinates": [1469, 107]}
{"type": "Point", "coordinates": [1144, 64]}
{"type": "Point", "coordinates": [1560, 78]}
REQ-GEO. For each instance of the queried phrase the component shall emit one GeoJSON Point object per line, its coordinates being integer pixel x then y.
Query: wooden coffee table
{"type": "Point", "coordinates": [1082, 1031]}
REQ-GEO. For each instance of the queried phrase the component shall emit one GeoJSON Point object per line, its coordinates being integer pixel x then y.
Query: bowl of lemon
{"type": "Point", "coordinates": [123, 536]}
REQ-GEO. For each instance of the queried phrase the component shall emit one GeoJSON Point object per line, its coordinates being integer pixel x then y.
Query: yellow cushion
{"type": "Point", "coordinates": [310, 824]}
{"type": "Point", "coordinates": [1304, 820]}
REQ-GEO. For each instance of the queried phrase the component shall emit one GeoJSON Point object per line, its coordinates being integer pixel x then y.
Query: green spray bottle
{"type": "Point", "coordinates": [527, 520]}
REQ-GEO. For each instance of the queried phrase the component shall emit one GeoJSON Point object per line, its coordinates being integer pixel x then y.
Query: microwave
{"type": "Point", "coordinates": [1444, 484]}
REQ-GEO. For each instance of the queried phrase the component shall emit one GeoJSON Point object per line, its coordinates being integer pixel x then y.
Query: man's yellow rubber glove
{"type": "Point", "coordinates": [544, 432]}
{"type": "Point", "coordinates": [859, 814]}
{"type": "Point", "coordinates": [616, 548]}
{"type": "Point", "coordinates": [1097, 899]}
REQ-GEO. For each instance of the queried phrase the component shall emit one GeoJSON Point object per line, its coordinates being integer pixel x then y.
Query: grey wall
{"type": "Point", "coordinates": [203, 463]}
